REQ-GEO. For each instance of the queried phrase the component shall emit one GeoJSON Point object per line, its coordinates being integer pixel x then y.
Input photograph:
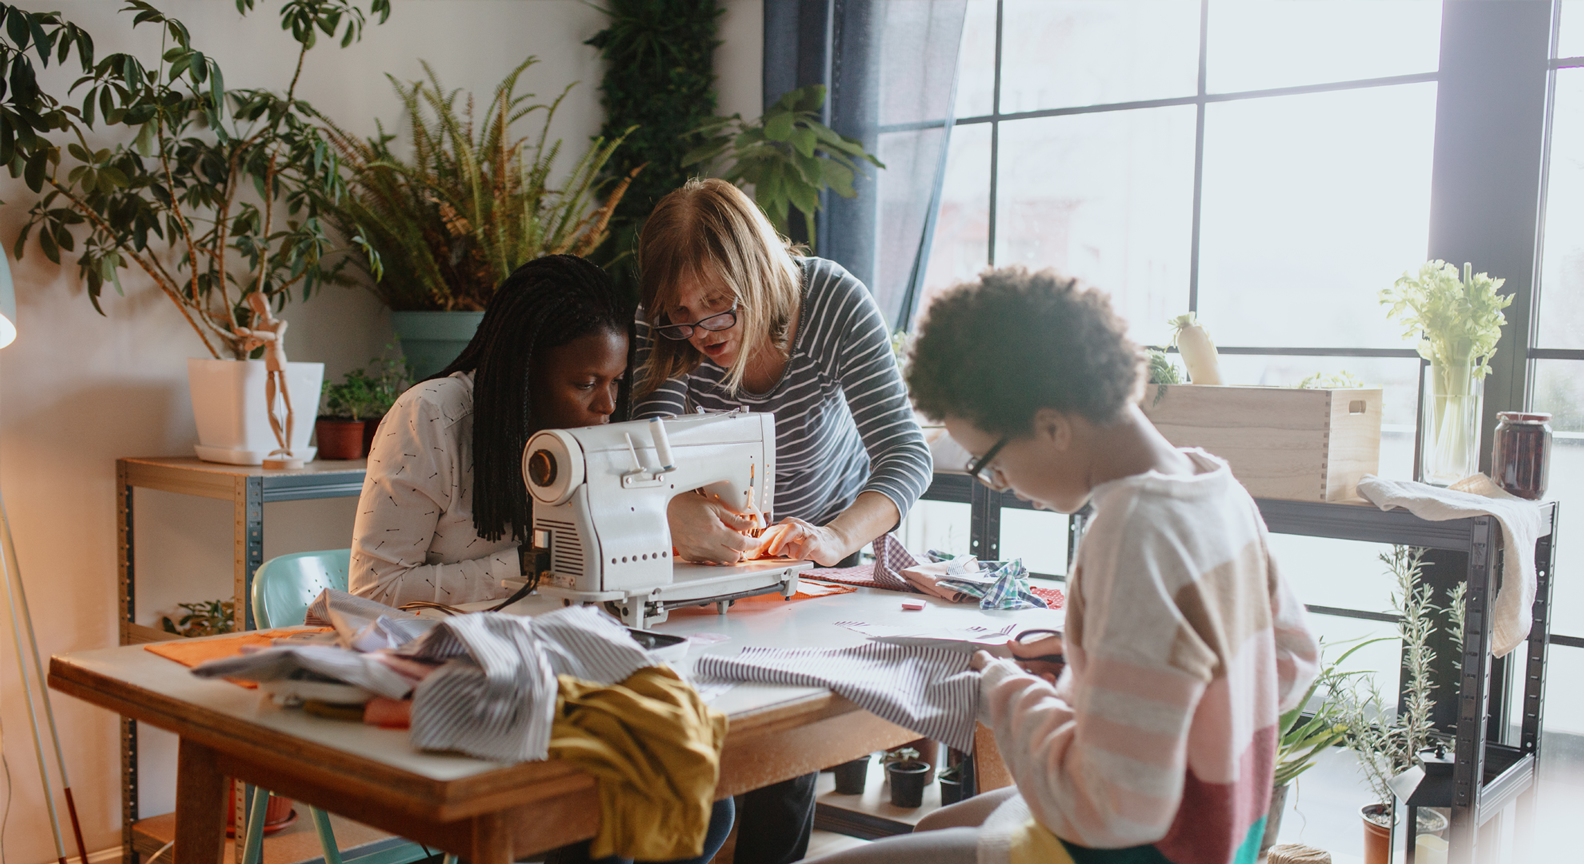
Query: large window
{"type": "Point", "coordinates": [1269, 167]}
{"type": "Point", "coordinates": [1557, 358]}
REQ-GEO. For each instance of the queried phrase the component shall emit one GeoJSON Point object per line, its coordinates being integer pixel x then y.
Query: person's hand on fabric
{"type": "Point", "coordinates": [980, 660]}
{"type": "Point", "coordinates": [707, 531]}
{"type": "Point", "coordinates": [1024, 652]}
{"type": "Point", "coordinates": [806, 541]}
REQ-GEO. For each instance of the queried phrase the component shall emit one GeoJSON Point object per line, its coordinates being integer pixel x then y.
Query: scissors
{"type": "Point", "coordinates": [1024, 637]}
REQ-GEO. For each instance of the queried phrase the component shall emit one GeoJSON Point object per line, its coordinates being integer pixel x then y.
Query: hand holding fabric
{"type": "Point", "coordinates": [805, 541]}
{"type": "Point", "coordinates": [708, 531]}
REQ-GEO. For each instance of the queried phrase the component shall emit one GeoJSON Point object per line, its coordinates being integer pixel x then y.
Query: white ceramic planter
{"type": "Point", "coordinates": [233, 421]}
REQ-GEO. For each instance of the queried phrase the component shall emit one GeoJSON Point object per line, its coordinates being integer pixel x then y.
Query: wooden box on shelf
{"type": "Point", "coordinates": [1300, 445]}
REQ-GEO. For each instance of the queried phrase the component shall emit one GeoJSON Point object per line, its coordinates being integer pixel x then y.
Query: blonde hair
{"type": "Point", "coordinates": [709, 233]}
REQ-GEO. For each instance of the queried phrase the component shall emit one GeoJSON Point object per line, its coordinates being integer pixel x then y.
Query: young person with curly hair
{"type": "Point", "coordinates": [1157, 742]}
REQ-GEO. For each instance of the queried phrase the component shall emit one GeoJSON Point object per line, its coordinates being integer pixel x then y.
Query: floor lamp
{"type": "Point", "coordinates": [16, 602]}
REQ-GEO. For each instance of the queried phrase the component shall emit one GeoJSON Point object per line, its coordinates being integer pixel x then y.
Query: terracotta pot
{"type": "Point", "coordinates": [1377, 836]}
{"type": "Point", "coordinates": [277, 814]}
{"type": "Point", "coordinates": [340, 439]}
{"type": "Point", "coordinates": [370, 427]}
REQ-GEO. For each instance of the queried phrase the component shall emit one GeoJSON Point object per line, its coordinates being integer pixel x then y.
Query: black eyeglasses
{"type": "Point", "coordinates": [713, 323]}
{"type": "Point", "coordinates": [980, 469]}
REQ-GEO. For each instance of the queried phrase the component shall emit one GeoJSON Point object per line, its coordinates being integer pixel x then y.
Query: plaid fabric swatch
{"type": "Point", "coordinates": [1009, 591]}
{"type": "Point", "coordinates": [891, 558]}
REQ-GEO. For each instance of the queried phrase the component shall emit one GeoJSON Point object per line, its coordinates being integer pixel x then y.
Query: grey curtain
{"type": "Point", "coordinates": [891, 69]}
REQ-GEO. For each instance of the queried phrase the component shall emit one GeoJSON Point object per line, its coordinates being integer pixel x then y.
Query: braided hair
{"type": "Point", "coordinates": [543, 304]}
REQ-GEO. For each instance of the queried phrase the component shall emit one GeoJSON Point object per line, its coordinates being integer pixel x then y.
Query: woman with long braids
{"type": "Point", "coordinates": [444, 507]}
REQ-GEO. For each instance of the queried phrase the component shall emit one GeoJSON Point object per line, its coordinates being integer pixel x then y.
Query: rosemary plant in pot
{"type": "Point", "coordinates": [1388, 742]}
{"type": "Point", "coordinates": [212, 195]}
{"type": "Point", "coordinates": [1455, 323]}
{"type": "Point", "coordinates": [440, 231]}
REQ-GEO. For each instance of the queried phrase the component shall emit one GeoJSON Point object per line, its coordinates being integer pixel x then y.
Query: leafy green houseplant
{"type": "Point", "coordinates": [206, 618]}
{"type": "Point", "coordinates": [1456, 324]}
{"type": "Point", "coordinates": [787, 155]}
{"type": "Point", "coordinates": [440, 231]}
{"type": "Point", "coordinates": [659, 83]}
{"type": "Point", "coordinates": [213, 194]}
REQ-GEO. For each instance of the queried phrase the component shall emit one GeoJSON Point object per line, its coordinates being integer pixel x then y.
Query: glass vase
{"type": "Point", "coordinates": [1450, 431]}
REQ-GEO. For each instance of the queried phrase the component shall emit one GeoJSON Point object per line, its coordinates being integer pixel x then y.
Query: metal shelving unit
{"type": "Point", "coordinates": [249, 488]}
{"type": "Point", "coordinates": [1490, 771]}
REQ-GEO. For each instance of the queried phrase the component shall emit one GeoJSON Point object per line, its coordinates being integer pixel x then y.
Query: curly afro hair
{"type": "Point", "coordinates": [995, 351]}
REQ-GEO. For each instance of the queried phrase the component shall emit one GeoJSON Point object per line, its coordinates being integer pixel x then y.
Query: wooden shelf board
{"type": "Point", "coordinates": [297, 844]}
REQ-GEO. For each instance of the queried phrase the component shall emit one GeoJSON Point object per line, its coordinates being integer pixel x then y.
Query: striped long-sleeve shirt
{"type": "Point", "coordinates": [843, 422]}
{"type": "Point", "coordinates": [1183, 645]}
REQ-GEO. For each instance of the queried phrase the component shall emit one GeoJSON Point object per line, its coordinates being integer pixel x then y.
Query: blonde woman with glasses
{"type": "Point", "coordinates": [731, 318]}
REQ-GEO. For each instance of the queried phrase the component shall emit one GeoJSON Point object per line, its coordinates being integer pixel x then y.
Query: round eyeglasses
{"type": "Point", "coordinates": [713, 323]}
{"type": "Point", "coordinates": [980, 469]}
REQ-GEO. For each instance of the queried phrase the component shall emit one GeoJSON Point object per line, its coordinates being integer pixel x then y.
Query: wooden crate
{"type": "Point", "coordinates": [1302, 445]}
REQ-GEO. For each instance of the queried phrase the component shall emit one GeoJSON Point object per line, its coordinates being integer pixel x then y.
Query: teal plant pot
{"type": "Point", "coordinates": [431, 340]}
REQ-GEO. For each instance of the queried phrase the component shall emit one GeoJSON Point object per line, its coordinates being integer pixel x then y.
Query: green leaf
{"type": "Point", "coordinates": [838, 177]}
{"type": "Point", "coordinates": [47, 243]}
{"type": "Point", "coordinates": [804, 140]}
{"type": "Point", "coordinates": [19, 31]}
{"type": "Point", "coordinates": [33, 172]}
{"type": "Point", "coordinates": [778, 127]}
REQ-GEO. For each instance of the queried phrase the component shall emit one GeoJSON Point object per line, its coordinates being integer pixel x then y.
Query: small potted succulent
{"type": "Point", "coordinates": [908, 775]}
{"type": "Point", "coordinates": [953, 785]}
{"type": "Point", "coordinates": [852, 776]}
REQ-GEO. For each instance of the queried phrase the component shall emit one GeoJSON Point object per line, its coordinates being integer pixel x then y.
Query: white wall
{"type": "Point", "coordinates": [78, 390]}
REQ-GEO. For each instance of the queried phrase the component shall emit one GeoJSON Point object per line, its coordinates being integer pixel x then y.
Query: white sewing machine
{"type": "Point", "coordinates": [600, 496]}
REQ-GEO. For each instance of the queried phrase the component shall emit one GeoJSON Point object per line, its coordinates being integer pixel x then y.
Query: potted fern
{"type": "Point", "coordinates": [211, 194]}
{"type": "Point", "coordinates": [439, 231]}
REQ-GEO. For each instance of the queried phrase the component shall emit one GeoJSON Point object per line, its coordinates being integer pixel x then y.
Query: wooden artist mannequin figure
{"type": "Point", "coordinates": [270, 332]}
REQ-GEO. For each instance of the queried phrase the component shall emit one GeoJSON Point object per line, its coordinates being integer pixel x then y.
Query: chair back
{"type": "Point", "coordinates": [284, 586]}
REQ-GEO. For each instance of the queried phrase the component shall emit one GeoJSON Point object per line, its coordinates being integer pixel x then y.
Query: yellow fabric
{"type": "Point", "coordinates": [653, 748]}
{"type": "Point", "coordinates": [1033, 843]}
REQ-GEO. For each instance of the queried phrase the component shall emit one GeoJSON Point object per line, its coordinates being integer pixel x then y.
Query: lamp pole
{"type": "Point", "coordinates": [16, 601]}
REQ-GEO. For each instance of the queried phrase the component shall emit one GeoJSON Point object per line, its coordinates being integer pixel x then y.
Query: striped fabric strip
{"type": "Point", "coordinates": [843, 421]}
{"type": "Point", "coordinates": [495, 696]}
{"type": "Point", "coordinates": [928, 690]}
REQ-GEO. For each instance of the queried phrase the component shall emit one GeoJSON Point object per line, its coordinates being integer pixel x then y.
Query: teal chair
{"type": "Point", "coordinates": [283, 588]}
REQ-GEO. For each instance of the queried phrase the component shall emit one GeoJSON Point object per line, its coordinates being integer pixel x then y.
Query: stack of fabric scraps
{"type": "Point", "coordinates": [999, 585]}
{"type": "Point", "coordinates": [572, 683]}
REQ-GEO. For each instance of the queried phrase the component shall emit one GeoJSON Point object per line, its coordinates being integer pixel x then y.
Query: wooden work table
{"type": "Point", "coordinates": [486, 812]}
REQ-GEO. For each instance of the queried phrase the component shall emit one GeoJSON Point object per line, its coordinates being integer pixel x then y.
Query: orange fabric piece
{"type": "Point", "coordinates": [191, 652]}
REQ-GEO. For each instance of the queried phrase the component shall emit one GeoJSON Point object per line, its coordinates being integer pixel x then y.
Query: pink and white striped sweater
{"type": "Point", "coordinates": [1183, 646]}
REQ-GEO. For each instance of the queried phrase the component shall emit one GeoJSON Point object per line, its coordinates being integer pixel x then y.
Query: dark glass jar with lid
{"type": "Point", "coordinates": [1521, 453]}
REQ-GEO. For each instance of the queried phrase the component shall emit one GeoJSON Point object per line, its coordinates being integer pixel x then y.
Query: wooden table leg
{"type": "Point", "coordinates": [492, 841]}
{"type": "Point", "coordinates": [200, 805]}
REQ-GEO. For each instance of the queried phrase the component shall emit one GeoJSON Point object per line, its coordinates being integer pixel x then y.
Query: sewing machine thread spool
{"type": "Point", "coordinates": [662, 445]}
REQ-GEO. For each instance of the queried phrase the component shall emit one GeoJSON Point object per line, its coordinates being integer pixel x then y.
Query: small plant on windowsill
{"type": "Point", "coordinates": [205, 618]}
